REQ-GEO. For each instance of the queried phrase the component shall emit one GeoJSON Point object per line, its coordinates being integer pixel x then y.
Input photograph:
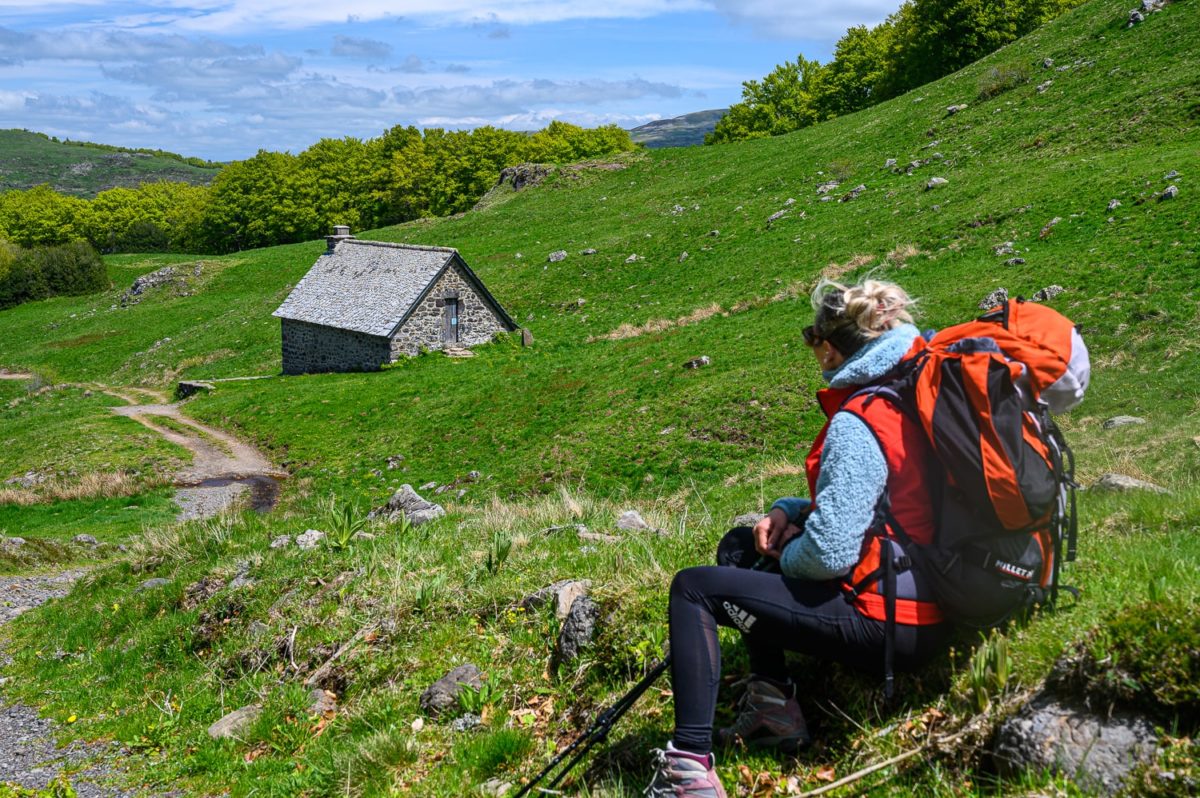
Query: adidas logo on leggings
{"type": "Point", "coordinates": [741, 619]}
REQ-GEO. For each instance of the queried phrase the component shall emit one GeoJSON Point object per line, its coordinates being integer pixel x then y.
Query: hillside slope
{"type": "Point", "coordinates": [688, 130]}
{"type": "Point", "coordinates": [600, 416]}
{"type": "Point", "coordinates": [84, 170]}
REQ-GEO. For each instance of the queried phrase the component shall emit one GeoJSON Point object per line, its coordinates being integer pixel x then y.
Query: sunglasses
{"type": "Point", "coordinates": [811, 338]}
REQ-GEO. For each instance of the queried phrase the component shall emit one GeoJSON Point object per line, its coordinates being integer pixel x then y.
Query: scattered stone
{"type": "Point", "coordinates": [1171, 175]}
{"type": "Point", "coordinates": [524, 175]}
{"type": "Point", "coordinates": [1135, 17]}
{"type": "Point", "coordinates": [828, 186]}
{"type": "Point", "coordinates": [853, 193]}
{"type": "Point", "coordinates": [825, 199]}
{"type": "Point", "coordinates": [235, 723]}
{"type": "Point", "coordinates": [442, 489]}
{"type": "Point", "coordinates": [631, 520]}
{"type": "Point", "coordinates": [776, 216]}
{"type": "Point", "coordinates": [85, 540]}
{"type": "Point", "coordinates": [27, 480]}
{"type": "Point", "coordinates": [596, 537]}
{"type": "Point", "coordinates": [683, 256]}
{"type": "Point", "coordinates": [1113, 205]}
{"type": "Point", "coordinates": [889, 163]}
{"type": "Point", "coordinates": [1122, 421]}
{"type": "Point", "coordinates": [1007, 248]}
{"type": "Point", "coordinates": [369, 536]}
{"type": "Point", "coordinates": [258, 629]}
{"type": "Point", "coordinates": [1041, 87]}
{"type": "Point", "coordinates": [577, 630]}
{"type": "Point", "coordinates": [12, 543]}
{"type": "Point", "coordinates": [748, 519]}
{"type": "Point", "coordinates": [789, 202]}
{"type": "Point", "coordinates": [321, 702]}
{"type": "Point", "coordinates": [697, 362]}
{"type": "Point", "coordinates": [1049, 226]}
{"type": "Point", "coordinates": [563, 593]}
{"type": "Point", "coordinates": [408, 502]}
{"type": "Point", "coordinates": [634, 258]}
{"type": "Point", "coordinates": [310, 539]}
{"type": "Point", "coordinates": [281, 542]}
{"type": "Point", "coordinates": [1047, 63]}
{"type": "Point", "coordinates": [677, 210]}
{"type": "Point", "coordinates": [495, 788]}
{"type": "Point", "coordinates": [588, 251]}
{"type": "Point", "coordinates": [997, 297]}
{"type": "Point", "coordinates": [936, 182]}
{"type": "Point", "coordinates": [428, 486]}
{"type": "Point", "coordinates": [1097, 752]}
{"type": "Point", "coordinates": [1170, 192]}
{"type": "Point", "coordinates": [153, 584]}
{"type": "Point", "coordinates": [1122, 483]}
{"type": "Point", "coordinates": [442, 695]}
{"type": "Point", "coordinates": [1015, 262]}
{"type": "Point", "coordinates": [557, 256]}
{"type": "Point", "coordinates": [395, 462]}
{"type": "Point", "coordinates": [951, 110]}
{"type": "Point", "coordinates": [242, 578]}
{"type": "Point", "coordinates": [466, 723]}
{"type": "Point", "coordinates": [175, 276]}
{"type": "Point", "coordinates": [1047, 293]}
{"type": "Point", "coordinates": [932, 144]}
{"type": "Point", "coordinates": [713, 234]}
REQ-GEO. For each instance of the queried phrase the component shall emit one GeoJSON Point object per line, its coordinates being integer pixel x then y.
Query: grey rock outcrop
{"type": "Point", "coordinates": [997, 297]}
{"type": "Point", "coordinates": [1047, 293]}
{"type": "Point", "coordinates": [1122, 421]}
{"type": "Point", "coordinates": [853, 193]}
{"type": "Point", "coordinates": [408, 503]}
{"type": "Point", "coordinates": [524, 175]}
{"type": "Point", "coordinates": [1015, 262]}
{"type": "Point", "coordinates": [1169, 193]}
{"type": "Point", "coordinates": [442, 695]}
{"type": "Point", "coordinates": [631, 520]}
{"type": "Point", "coordinates": [152, 584]}
{"type": "Point", "coordinates": [936, 182]}
{"type": "Point", "coordinates": [281, 542]}
{"type": "Point", "coordinates": [235, 723]}
{"type": "Point", "coordinates": [698, 362]}
{"type": "Point", "coordinates": [557, 256]}
{"type": "Point", "coordinates": [1097, 752]}
{"type": "Point", "coordinates": [1122, 483]}
{"type": "Point", "coordinates": [577, 630]}
{"type": "Point", "coordinates": [310, 539]}
{"type": "Point", "coordinates": [85, 540]}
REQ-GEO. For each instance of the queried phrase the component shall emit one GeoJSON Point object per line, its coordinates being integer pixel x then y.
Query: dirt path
{"type": "Point", "coordinates": [223, 468]}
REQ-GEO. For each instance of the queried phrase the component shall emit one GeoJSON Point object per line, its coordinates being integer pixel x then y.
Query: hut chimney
{"type": "Point", "coordinates": [341, 232]}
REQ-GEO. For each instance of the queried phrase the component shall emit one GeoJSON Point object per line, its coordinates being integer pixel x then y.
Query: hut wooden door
{"type": "Point", "coordinates": [450, 321]}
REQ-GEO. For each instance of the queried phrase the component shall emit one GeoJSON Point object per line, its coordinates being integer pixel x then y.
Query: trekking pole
{"type": "Point", "coordinates": [597, 732]}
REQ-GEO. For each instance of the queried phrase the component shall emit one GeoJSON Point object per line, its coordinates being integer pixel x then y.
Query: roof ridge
{"type": "Point", "coordinates": [393, 245]}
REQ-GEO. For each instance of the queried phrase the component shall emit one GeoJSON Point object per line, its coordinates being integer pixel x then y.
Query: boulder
{"type": "Point", "coordinates": [395, 461]}
{"type": "Point", "coordinates": [1122, 483]}
{"type": "Point", "coordinates": [1122, 421]}
{"type": "Point", "coordinates": [442, 695]}
{"type": "Point", "coordinates": [634, 258]}
{"type": "Point", "coordinates": [408, 503]}
{"type": "Point", "coordinates": [1006, 248]}
{"type": "Point", "coordinates": [310, 539]}
{"type": "Point", "coordinates": [997, 297]}
{"type": "Point", "coordinates": [828, 186]}
{"type": "Point", "coordinates": [1097, 752]}
{"type": "Point", "coordinates": [631, 520]}
{"type": "Point", "coordinates": [85, 540]}
{"type": "Point", "coordinates": [889, 163]}
{"type": "Point", "coordinates": [697, 362]}
{"type": "Point", "coordinates": [281, 542]}
{"type": "Point", "coordinates": [12, 543]}
{"type": "Point", "coordinates": [1015, 262]}
{"type": "Point", "coordinates": [1169, 193]}
{"type": "Point", "coordinates": [153, 584]}
{"type": "Point", "coordinates": [853, 193]}
{"type": "Point", "coordinates": [495, 788]}
{"type": "Point", "coordinates": [557, 256]}
{"type": "Point", "coordinates": [524, 175]}
{"type": "Point", "coordinates": [577, 630]}
{"type": "Point", "coordinates": [1114, 204]}
{"type": "Point", "coordinates": [235, 723]}
{"type": "Point", "coordinates": [951, 110]}
{"type": "Point", "coordinates": [683, 256]}
{"type": "Point", "coordinates": [936, 182]}
{"type": "Point", "coordinates": [466, 723]}
{"type": "Point", "coordinates": [1047, 293]}
{"type": "Point", "coordinates": [776, 216]}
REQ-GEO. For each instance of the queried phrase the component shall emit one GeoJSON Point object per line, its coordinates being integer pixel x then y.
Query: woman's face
{"type": "Point", "coordinates": [826, 354]}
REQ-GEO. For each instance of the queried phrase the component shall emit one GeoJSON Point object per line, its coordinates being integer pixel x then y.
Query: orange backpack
{"type": "Point", "coordinates": [984, 392]}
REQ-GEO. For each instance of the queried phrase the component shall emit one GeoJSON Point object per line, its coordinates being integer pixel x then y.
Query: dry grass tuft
{"type": "Point", "coordinates": [899, 256]}
{"type": "Point", "coordinates": [97, 485]}
{"type": "Point", "coordinates": [835, 270]}
{"type": "Point", "coordinates": [659, 325]}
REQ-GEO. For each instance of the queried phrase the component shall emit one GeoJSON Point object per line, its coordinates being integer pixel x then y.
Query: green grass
{"type": "Point", "coordinates": [579, 427]}
{"type": "Point", "coordinates": [30, 159]}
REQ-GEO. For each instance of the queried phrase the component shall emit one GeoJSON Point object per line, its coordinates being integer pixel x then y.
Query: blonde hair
{"type": "Point", "coordinates": [872, 306]}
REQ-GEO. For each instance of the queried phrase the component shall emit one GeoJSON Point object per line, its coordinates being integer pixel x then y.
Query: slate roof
{"type": "Point", "coordinates": [370, 286]}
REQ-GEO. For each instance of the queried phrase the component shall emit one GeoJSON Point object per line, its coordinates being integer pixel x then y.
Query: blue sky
{"type": "Point", "coordinates": [222, 79]}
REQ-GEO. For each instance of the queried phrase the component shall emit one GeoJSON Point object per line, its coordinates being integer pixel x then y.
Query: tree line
{"type": "Point", "coordinates": [279, 198]}
{"type": "Point", "coordinates": [921, 42]}
{"type": "Point", "coordinates": [33, 273]}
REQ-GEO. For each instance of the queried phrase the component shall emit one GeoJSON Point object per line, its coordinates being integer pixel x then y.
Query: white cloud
{"type": "Point", "coordinates": [110, 46]}
{"type": "Point", "coordinates": [366, 49]}
{"type": "Point", "coordinates": [510, 97]}
{"type": "Point", "coordinates": [806, 19]}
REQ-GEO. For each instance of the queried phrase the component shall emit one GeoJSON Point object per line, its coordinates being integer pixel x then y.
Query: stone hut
{"type": "Point", "coordinates": [366, 303]}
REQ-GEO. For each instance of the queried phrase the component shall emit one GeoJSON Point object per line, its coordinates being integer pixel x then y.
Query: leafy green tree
{"type": "Point", "coordinates": [781, 102]}
{"type": "Point", "coordinates": [41, 215]}
{"type": "Point", "coordinates": [852, 80]}
{"type": "Point", "coordinates": [261, 201]}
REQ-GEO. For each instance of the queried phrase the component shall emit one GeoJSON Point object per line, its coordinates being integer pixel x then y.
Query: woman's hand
{"type": "Point", "coordinates": [773, 532]}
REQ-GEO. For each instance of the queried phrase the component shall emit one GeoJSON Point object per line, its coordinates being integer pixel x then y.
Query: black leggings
{"type": "Point", "coordinates": [774, 613]}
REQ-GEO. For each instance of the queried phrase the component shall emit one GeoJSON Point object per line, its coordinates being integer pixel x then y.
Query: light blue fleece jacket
{"type": "Point", "coordinates": [853, 473]}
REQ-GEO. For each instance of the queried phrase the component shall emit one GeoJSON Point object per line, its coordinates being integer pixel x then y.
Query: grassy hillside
{"type": "Point", "coordinates": [30, 159]}
{"type": "Point", "coordinates": [600, 415]}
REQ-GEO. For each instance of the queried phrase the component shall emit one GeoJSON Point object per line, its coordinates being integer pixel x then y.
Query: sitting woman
{"type": "Point", "coordinates": [826, 597]}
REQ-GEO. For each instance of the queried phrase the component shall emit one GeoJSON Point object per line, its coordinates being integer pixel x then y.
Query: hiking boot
{"type": "Point", "coordinates": [679, 774]}
{"type": "Point", "coordinates": [768, 716]}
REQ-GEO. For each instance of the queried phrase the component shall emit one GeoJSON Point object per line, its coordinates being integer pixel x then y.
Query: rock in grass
{"type": "Point", "coordinates": [12, 543]}
{"type": "Point", "coordinates": [1123, 483]}
{"type": "Point", "coordinates": [310, 539]}
{"type": "Point", "coordinates": [442, 695]}
{"type": "Point", "coordinates": [281, 542]}
{"type": "Point", "coordinates": [1122, 421]}
{"type": "Point", "coordinates": [1015, 262]}
{"type": "Point", "coordinates": [557, 255]}
{"type": "Point", "coordinates": [997, 297]}
{"type": "Point", "coordinates": [235, 723]}
{"type": "Point", "coordinates": [577, 630]}
{"type": "Point", "coordinates": [153, 584]}
{"type": "Point", "coordinates": [748, 519]}
{"type": "Point", "coordinates": [1113, 205]}
{"type": "Point", "coordinates": [853, 193]}
{"type": "Point", "coordinates": [951, 110]}
{"type": "Point", "coordinates": [588, 251]}
{"type": "Point", "coordinates": [495, 788]}
{"type": "Point", "coordinates": [889, 163]}
{"type": "Point", "coordinates": [1047, 293]}
{"type": "Point", "coordinates": [936, 182]}
{"type": "Point", "coordinates": [408, 503]}
{"type": "Point", "coordinates": [563, 593]}
{"type": "Point", "coordinates": [1005, 248]}
{"type": "Point", "coordinates": [698, 362]}
{"type": "Point", "coordinates": [85, 540]}
{"type": "Point", "coordinates": [631, 520]}
{"type": "Point", "coordinates": [1096, 751]}
{"type": "Point", "coordinates": [828, 186]}
{"type": "Point", "coordinates": [1169, 193]}
{"type": "Point", "coordinates": [466, 723]}
{"type": "Point", "coordinates": [321, 702]}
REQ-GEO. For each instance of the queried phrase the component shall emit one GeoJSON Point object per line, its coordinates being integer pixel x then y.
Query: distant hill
{"type": "Point", "coordinates": [682, 131]}
{"type": "Point", "coordinates": [29, 159]}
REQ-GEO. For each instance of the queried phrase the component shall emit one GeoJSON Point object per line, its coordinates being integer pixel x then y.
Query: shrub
{"type": "Point", "coordinates": [998, 80]}
{"type": "Point", "coordinates": [43, 272]}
